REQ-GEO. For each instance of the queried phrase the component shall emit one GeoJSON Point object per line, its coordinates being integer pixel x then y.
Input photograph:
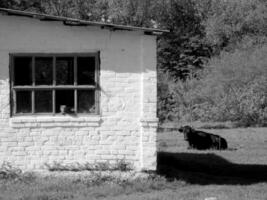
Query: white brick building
{"type": "Point", "coordinates": [74, 91]}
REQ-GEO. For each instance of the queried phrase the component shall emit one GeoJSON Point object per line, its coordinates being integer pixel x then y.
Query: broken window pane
{"type": "Point", "coordinates": [86, 101]}
{"type": "Point", "coordinates": [65, 71]}
{"type": "Point", "coordinates": [44, 71]}
{"type": "Point", "coordinates": [86, 70]}
{"type": "Point", "coordinates": [43, 101]}
{"type": "Point", "coordinates": [64, 98]}
{"type": "Point", "coordinates": [23, 71]}
{"type": "Point", "coordinates": [23, 101]}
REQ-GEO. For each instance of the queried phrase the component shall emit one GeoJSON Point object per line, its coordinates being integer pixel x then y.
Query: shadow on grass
{"type": "Point", "coordinates": [208, 168]}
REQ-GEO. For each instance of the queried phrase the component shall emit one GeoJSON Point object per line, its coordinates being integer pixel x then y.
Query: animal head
{"type": "Point", "coordinates": [186, 130]}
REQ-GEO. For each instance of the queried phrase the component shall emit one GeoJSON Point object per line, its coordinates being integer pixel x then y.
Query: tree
{"type": "Point", "coordinates": [33, 5]}
{"type": "Point", "coordinates": [184, 50]}
{"type": "Point", "coordinates": [229, 22]}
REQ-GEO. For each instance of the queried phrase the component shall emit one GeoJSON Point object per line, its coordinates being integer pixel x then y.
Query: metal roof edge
{"type": "Point", "coordinates": [78, 22]}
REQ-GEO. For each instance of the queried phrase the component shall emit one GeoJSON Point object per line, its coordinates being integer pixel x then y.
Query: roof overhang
{"type": "Point", "coordinates": [77, 22]}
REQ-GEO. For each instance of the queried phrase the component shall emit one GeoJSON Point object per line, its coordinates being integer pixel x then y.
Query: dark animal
{"type": "Point", "coordinates": [202, 140]}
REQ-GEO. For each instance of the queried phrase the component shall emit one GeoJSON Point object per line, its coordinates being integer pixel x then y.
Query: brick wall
{"type": "Point", "coordinates": [126, 126]}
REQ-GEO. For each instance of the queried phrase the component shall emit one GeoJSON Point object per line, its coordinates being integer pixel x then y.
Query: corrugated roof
{"type": "Point", "coordinates": [77, 22]}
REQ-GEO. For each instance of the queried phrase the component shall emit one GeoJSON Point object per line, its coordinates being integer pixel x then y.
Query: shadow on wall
{"type": "Point", "coordinates": [208, 168]}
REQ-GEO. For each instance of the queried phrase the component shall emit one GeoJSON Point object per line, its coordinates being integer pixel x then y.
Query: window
{"type": "Point", "coordinates": [55, 83]}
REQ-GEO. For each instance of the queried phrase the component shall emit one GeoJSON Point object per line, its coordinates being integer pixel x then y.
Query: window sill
{"type": "Point", "coordinates": [54, 121]}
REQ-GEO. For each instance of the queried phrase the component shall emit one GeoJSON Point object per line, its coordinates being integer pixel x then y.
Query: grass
{"type": "Point", "coordinates": [93, 186]}
{"type": "Point", "coordinates": [238, 173]}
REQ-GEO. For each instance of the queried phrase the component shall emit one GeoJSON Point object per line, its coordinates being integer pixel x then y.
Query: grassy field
{"type": "Point", "coordinates": [234, 174]}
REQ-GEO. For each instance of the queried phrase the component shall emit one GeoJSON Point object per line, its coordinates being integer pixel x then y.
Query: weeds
{"type": "Point", "coordinates": [11, 173]}
{"type": "Point", "coordinates": [8, 172]}
{"type": "Point", "coordinates": [120, 165]}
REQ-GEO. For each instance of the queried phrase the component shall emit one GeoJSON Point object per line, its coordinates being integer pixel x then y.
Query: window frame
{"type": "Point", "coordinates": [54, 86]}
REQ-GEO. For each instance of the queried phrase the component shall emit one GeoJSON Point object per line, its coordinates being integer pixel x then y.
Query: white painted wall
{"type": "Point", "coordinates": [126, 126]}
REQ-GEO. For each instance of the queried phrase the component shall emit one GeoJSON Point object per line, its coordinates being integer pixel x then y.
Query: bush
{"type": "Point", "coordinates": [232, 88]}
{"type": "Point", "coordinates": [120, 165]}
{"type": "Point", "coordinates": [10, 173]}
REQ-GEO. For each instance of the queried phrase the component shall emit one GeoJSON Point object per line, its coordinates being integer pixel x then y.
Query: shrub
{"type": "Point", "coordinates": [11, 173]}
{"type": "Point", "coordinates": [7, 172]}
{"type": "Point", "coordinates": [232, 88]}
{"type": "Point", "coordinates": [120, 165]}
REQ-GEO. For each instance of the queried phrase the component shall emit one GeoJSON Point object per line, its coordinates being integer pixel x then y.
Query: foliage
{"type": "Point", "coordinates": [9, 172]}
{"type": "Point", "coordinates": [181, 55]}
{"type": "Point", "coordinates": [232, 88]}
{"type": "Point", "coordinates": [13, 174]}
{"type": "Point", "coordinates": [184, 50]}
{"type": "Point", "coordinates": [128, 12]}
{"type": "Point", "coordinates": [33, 5]}
{"type": "Point", "coordinates": [228, 22]}
{"type": "Point", "coordinates": [120, 165]}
